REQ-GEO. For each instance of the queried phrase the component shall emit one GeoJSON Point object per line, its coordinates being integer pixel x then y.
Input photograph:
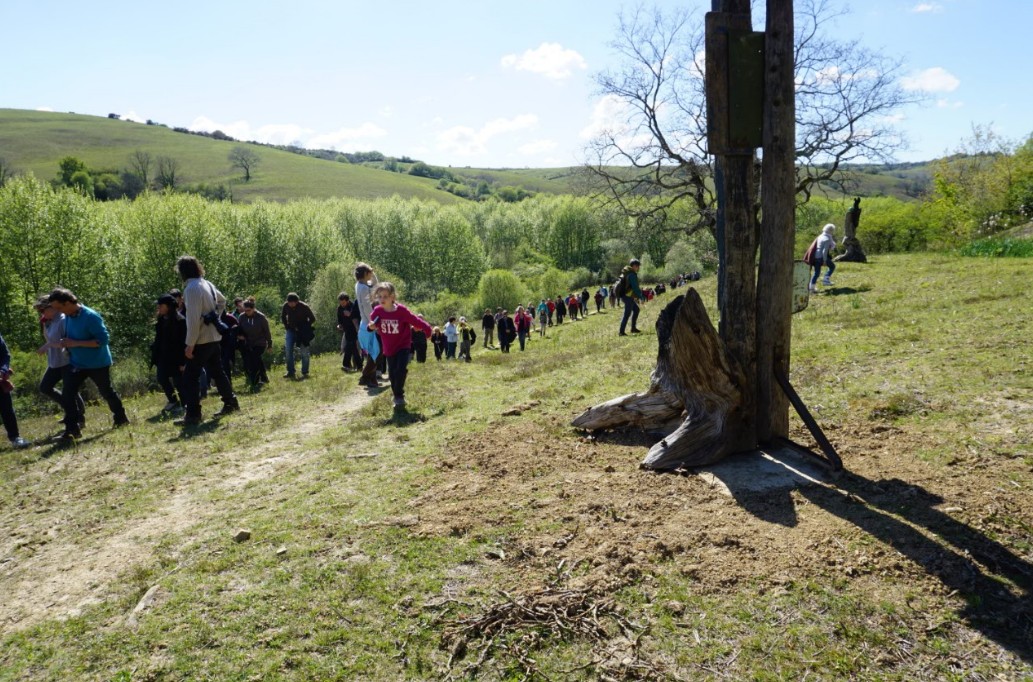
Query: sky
{"type": "Point", "coordinates": [480, 83]}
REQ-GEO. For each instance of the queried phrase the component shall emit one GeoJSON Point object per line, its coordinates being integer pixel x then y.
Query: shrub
{"type": "Point", "coordinates": [501, 289]}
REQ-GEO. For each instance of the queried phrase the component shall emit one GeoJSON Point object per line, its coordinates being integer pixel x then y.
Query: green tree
{"type": "Point", "coordinates": [244, 158]}
{"type": "Point", "coordinates": [69, 166]}
{"type": "Point", "coordinates": [501, 289]}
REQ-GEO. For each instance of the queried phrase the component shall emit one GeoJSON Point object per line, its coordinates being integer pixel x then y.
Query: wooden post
{"type": "Point", "coordinates": [775, 278]}
{"type": "Point", "coordinates": [736, 223]}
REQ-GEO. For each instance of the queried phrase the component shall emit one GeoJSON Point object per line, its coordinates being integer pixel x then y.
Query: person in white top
{"type": "Point", "coordinates": [203, 342]}
{"type": "Point", "coordinates": [365, 281]}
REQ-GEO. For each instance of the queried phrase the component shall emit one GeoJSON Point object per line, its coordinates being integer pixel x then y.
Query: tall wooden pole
{"type": "Point", "coordinates": [736, 223]}
{"type": "Point", "coordinates": [775, 279]}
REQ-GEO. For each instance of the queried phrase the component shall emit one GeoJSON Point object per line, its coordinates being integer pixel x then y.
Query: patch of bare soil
{"type": "Point", "coordinates": [894, 526]}
{"type": "Point", "coordinates": [47, 573]}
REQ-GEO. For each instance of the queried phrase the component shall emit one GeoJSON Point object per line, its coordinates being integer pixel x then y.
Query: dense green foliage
{"type": "Point", "coordinates": [118, 256]}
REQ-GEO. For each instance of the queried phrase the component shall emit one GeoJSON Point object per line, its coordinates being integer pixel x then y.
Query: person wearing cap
{"type": "Point", "coordinates": [7, 415]}
{"type": "Point", "coordinates": [170, 335]}
{"type": "Point", "coordinates": [632, 295]}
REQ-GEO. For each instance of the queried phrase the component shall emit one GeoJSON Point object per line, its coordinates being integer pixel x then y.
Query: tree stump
{"type": "Point", "coordinates": [697, 387]}
{"type": "Point", "coordinates": [853, 253]}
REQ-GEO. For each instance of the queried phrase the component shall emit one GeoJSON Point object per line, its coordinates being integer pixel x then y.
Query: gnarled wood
{"type": "Point", "coordinates": [655, 408]}
{"type": "Point", "coordinates": [695, 377]}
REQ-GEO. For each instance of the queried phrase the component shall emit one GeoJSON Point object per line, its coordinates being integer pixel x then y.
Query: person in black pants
{"type": "Point", "coordinates": [6, 403]}
{"type": "Point", "coordinates": [348, 317]}
{"type": "Point", "coordinates": [203, 304]}
{"type": "Point", "coordinates": [170, 333]}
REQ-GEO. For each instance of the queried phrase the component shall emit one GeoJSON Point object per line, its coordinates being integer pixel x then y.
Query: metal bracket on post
{"type": "Point", "coordinates": [809, 421]}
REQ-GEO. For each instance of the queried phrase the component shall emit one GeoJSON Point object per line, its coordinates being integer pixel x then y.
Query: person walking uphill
{"type": "Point", "coordinates": [348, 318]}
{"type": "Point", "coordinates": [394, 323]}
{"type": "Point", "coordinates": [629, 292]}
{"type": "Point", "coordinates": [298, 320]}
{"type": "Point", "coordinates": [170, 333]}
{"type": "Point", "coordinates": [87, 339]}
{"type": "Point", "coordinates": [53, 325]}
{"type": "Point", "coordinates": [202, 306]}
{"type": "Point", "coordinates": [256, 340]}
{"type": "Point", "coordinates": [7, 415]}
{"type": "Point", "coordinates": [824, 245]}
{"type": "Point", "coordinates": [365, 281]}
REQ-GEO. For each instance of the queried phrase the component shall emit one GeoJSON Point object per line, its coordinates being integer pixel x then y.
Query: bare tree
{"type": "Point", "coordinates": [168, 168]}
{"type": "Point", "coordinates": [245, 159]}
{"type": "Point", "coordinates": [653, 155]}
{"type": "Point", "coordinates": [140, 163]}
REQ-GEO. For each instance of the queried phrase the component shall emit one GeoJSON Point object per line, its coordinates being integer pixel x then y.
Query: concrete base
{"type": "Point", "coordinates": [761, 471]}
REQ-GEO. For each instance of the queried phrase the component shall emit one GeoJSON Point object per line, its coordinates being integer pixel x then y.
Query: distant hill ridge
{"type": "Point", "coordinates": [36, 141]}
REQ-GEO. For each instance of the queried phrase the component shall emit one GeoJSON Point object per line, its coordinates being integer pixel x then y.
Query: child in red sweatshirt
{"type": "Point", "coordinates": [393, 323]}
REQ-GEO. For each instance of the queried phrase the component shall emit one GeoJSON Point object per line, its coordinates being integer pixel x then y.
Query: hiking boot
{"type": "Point", "coordinates": [636, 331]}
{"type": "Point", "coordinates": [69, 436]}
{"type": "Point", "coordinates": [399, 402]}
{"type": "Point", "coordinates": [288, 375]}
{"type": "Point", "coordinates": [622, 334]}
{"type": "Point", "coordinates": [120, 421]}
{"type": "Point", "coordinates": [227, 408]}
{"type": "Point", "coordinates": [188, 421]}
{"type": "Point", "coordinates": [19, 443]}
{"type": "Point", "coordinates": [170, 406]}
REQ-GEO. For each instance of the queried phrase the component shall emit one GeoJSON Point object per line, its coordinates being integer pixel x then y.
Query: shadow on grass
{"type": "Point", "coordinates": [188, 432]}
{"type": "Point", "coordinates": [402, 417]}
{"type": "Point", "coordinates": [845, 291]}
{"type": "Point", "coordinates": [52, 446]}
{"type": "Point", "coordinates": [996, 583]}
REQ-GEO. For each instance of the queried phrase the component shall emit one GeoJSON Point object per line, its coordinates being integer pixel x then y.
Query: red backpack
{"type": "Point", "coordinates": [808, 256]}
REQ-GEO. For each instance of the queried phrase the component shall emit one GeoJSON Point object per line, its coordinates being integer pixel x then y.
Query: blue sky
{"type": "Point", "coordinates": [460, 82]}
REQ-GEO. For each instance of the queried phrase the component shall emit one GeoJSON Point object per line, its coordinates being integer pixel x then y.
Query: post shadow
{"type": "Point", "coordinates": [995, 582]}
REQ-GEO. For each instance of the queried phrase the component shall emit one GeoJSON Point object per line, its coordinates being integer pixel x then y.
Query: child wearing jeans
{"type": "Point", "coordinates": [393, 322]}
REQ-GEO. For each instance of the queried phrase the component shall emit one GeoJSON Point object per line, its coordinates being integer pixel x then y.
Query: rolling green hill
{"type": "Point", "coordinates": [36, 141]}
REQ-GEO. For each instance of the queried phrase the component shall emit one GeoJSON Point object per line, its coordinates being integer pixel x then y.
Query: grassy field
{"type": "Point", "coordinates": [477, 535]}
{"type": "Point", "coordinates": [36, 141]}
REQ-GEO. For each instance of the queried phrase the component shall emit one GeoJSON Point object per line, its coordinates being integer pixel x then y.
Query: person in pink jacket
{"type": "Point", "coordinates": [523, 322]}
{"type": "Point", "coordinates": [393, 323]}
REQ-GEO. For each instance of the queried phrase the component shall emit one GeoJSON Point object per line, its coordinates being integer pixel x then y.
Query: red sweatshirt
{"type": "Point", "coordinates": [396, 327]}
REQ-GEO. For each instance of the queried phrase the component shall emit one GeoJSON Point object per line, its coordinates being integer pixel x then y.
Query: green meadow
{"type": "Point", "coordinates": [476, 535]}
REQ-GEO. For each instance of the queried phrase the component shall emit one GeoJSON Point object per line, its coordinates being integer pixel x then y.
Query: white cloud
{"type": "Point", "coordinates": [608, 116]}
{"type": "Point", "coordinates": [44, 109]}
{"type": "Point", "coordinates": [347, 139]}
{"type": "Point", "coordinates": [551, 60]}
{"type": "Point", "coordinates": [924, 7]}
{"type": "Point", "coordinates": [936, 79]}
{"type": "Point", "coordinates": [537, 147]}
{"type": "Point", "coordinates": [134, 117]}
{"type": "Point", "coordinates": [949, 104]}
{"type": "Point", "coordinates": [343, 139]}
{"type": "Point", "coordinates": [465, 141]}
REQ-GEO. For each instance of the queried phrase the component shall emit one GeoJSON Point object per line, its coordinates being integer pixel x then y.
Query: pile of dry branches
{"type": "Point", "coordinates": [516, 626]}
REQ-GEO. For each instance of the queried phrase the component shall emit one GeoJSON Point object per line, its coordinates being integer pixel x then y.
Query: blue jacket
{"type": "Point", "coordinates": [86, 326]}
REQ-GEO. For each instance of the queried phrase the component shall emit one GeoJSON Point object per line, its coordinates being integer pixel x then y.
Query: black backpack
{"type": "Point", "coordinates": [620, 287]}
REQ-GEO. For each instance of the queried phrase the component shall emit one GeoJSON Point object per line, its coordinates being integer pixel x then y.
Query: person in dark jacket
{"type": "Point", "coordinates": [348, 317]}
{"type": "Point", "coordinates": [632, 294]}
{"type": "Point", "coordinates": [488, 327]}
{"type": "Point", "coordinates": [298, 320]}
{"type": "Point", "coordinates": [561, 309]}
{"type": "Point", "coordinates": [584, 303]}
{"type": "Point", "coordinates": [419, 343]}
{"type": "Point", "coordinates": [256, 340]}
{"type": "Point", "coordinates": [437, 339]}
{"type": "Point", "coordinates": [170, 337]}
{"type": "Point", "coordinates": [506, 331]}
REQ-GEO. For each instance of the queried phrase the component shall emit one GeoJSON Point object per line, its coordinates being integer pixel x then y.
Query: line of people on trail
{"type": "Point", "coordinates": [196, 340]}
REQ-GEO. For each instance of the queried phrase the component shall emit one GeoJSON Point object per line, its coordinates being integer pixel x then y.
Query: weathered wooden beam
{"type": "Point", "coordinates": [778, 208]}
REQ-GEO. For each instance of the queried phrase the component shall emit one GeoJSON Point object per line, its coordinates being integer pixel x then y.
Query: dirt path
{"type": "Point", "coordinates": [66, 574]}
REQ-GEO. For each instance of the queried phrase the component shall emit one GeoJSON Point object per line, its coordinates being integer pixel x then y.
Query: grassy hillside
{"type": "Point", "coordinates": [36, 141]}
{"type": "Point", "coordinates": [479, 536]}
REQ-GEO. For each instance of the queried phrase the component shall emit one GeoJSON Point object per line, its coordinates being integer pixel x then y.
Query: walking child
{"type": "Point", "coordinates": [394, 323]}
